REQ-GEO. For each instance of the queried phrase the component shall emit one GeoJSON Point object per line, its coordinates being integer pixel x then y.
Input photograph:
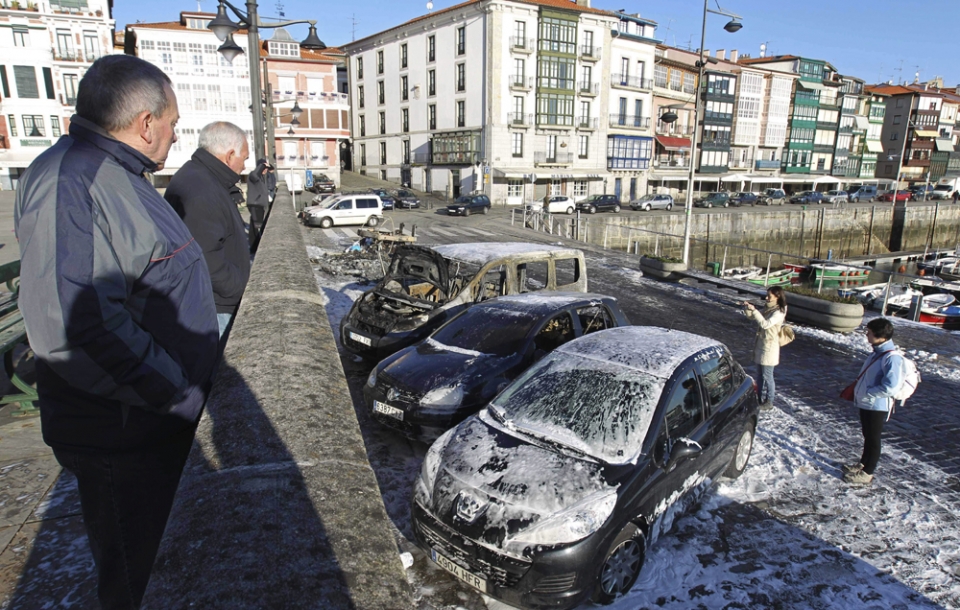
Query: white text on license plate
{"type": "Point", "coordinates": [393, 412]}
{"type": "Point", "coordinates": [360, 338]}
{"type": "Point", "coordinates": [474, 581]}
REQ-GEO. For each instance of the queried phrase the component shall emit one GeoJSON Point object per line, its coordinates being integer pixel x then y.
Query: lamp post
{"type": "Point", "coordinates": [224, 29]}
{"type": "Point", "coordinates": [732, 26]}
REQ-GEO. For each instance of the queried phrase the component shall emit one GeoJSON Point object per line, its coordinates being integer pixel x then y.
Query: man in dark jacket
{"type": "Point", "coordinates": [258, 199]}
{"type": "Point", "coordinates": [116, 299]}
{"type": "Point", "coordinates": [205, 194]}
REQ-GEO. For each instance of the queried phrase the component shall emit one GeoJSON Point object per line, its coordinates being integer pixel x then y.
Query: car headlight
{"type": "Point", "coordinates": [372, 377]}
{"type": "Point", "coordinates": [449, 396]}
{"type": "Point", "coordinates": [569, 525]}
{"type": "Point", "coordinates": [423, 490]}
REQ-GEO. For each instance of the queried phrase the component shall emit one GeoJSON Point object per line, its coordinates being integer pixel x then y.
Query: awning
{"type": "Point", "coordinates": [736, 178]}
{"type": "Point", "coordinates": [515, 174]}
{"type": "Point", "coordinates": [923, 133]}
{"type": "Point", "coordinates": [569, 176]}
{"type": "Point", "coordinates": [874, 146]}
{"type": "Point", "coordinates": [862, 122]}
{"type": "Point", "coordinates": [945, 145]}
{"type": "Point", "coordinates": [811, 86]}
{"type": "Point", "coordinates": [674, 143]}
{"type": "Point", "coordinates": [824, 179]}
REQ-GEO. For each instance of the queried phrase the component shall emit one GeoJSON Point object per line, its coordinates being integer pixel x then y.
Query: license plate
{"type": "Point", "coordinates": [360, 338]}
{"type": "Point", "coordinates": [393, 412]}
{"type": "Point", "coordinates": [474, 581]}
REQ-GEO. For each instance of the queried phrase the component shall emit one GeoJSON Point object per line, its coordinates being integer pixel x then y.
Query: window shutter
{"type": "Point", "coordinates": [3, 81]}
{"type": "Point", "coordinates": [26, 79]}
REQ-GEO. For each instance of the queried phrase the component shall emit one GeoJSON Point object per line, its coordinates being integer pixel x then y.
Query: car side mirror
{"type": "Point", "coordinates": [681, 449]}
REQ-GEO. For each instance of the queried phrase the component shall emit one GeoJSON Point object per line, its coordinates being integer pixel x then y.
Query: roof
{"type": "Point", "coordinates": [557, 4]}
{"type": "Point", "coordinates": [175, 25]}
{"type": "Point", "coordinates": [905, 90]}
{"type": "Point", "coordinates": [762, 60]}
{"type": "Point", "coordinates": [483, 253]}
{"type": "Point", "coordinates": [543, 302]}
{"type": "Point", "coordinates": [649, 349]}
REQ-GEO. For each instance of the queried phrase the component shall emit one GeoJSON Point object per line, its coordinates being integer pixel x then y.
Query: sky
{"type": "Point", "coordinates": [876, 40]}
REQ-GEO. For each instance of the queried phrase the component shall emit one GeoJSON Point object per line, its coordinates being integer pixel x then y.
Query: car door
{"type": "Point", "coordinates": [554, 332]}
{"type": "Point", "coordinates": [344, 213]}
{"type": "Point", "coordinates": [594, 317]}
{"type": "Point", "coordinates": [726, 405]}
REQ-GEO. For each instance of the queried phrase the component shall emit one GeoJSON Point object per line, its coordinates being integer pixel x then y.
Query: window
{"type": "Point", "coordinates": [21, 37]}
{"type": "Point", "coordinates": [406, 151]}
{"type": "Point", "coordinates": [70, 89]}
{"type": "Point", "coordinates": [431, 48]}
{"type": "Point", "coordinates": [583, 146]}
{"type": "Point", "coordinates": [519, 69]}
{"type": "Point", "coordinates": [432, 115]}
{"type": "Point", "coordinates": [557, 72]}
{"type": "Point", "coordinates": [660, 76]}
{"type": "Point", "coordinates": [551, 149]}
{"type": "Point", "coordinates": [403, 55]}
{"type": "Point", "coordinates": [689, 83]}
{"type": "Point", "coordinates": [520, 34]}
{"type": "Point", "coordinates": [684, 410]}
{"type": "Point", "coordinates": [896, 119]}
{"type": "Point", "coordinates": [431, 82]}
{"type": "Point", "coordinates": [200, 97]}
{"type": "Point", "coordinates": [381, 94]}
{"type": "Point", "coordinates": [363, 125]}
{"type": "Point", "coordinates": [629, 152]}
{"type": "Point", "coordinates": [518, 107]}
{"type": "Point", "coordinates": [12, 122]}
{"type": "Point", "coordinates": [55, 126]}
{"type": "Point", "coordinates": [514, 188]}
{"type": "Point", "coordinates": [26, 79]}
{"type": "Point", "coordinates": [718, 377]}
{"type": "Point", "coordinates": [588, 42]}
{"type": "Point", "coordinates": [405, 119]}
{"type": "Point", "coordinates": [360, 96]}
{"type": "Point", "coordinates": [65, 44]}
{"type": "Point", "coordinates": [383, 123]}
{"type": "Point", "coordinates": [363, 154]}
{"type": "Point", "coordinates": [586, 78]}
{"type": "Point", "coordinates": [516, 144]}
{"type": "Point", "coordinates": [404, 89]}
{"type": "Point", "coordinates": [555, 109]}
{"type": "Point", "coordinates": [461, 113]}
{"type": "Point", "coordinates": [558, 35]}
{"type": "Point", "coordinates": [379, 62]}
{"type": "Point", "coordinates": [461, 77]}
{"type": "Point", "coordinates": [894, 136]}
{"type": "Point", "coordinates": [33, 126]}
{"type": "Point", "coordinates": [579, 189]}
{"type": "Point", "coordinates": [461, 40]}
{"type": "Point", "coordinates": [383, 153]}
{"type": "Point", "coordinates": [624, 70]}
{"type": "Point", "coordinates": [359, 67]}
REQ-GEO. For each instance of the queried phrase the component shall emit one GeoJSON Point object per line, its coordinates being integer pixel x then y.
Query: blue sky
{"type": "Point", "coordinates": [876, 40]}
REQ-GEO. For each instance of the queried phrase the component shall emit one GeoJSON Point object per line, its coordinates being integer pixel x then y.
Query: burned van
{"type": "Point", "coordinates": [426, 286]}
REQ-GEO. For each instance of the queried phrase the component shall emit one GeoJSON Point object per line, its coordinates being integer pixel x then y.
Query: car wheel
{"type": "Point", "coordinates": [870, 200]}
{"type": "Point", "coordinates": [726, 204]}
{"type": "Point", "coordinates": [326, 223]}
{"type": "Point", "coordinates": [373, 221]}
{"type": "Point", "coordinates": [741, 454]}
{"type": "Point", "coordinates": [616, 209]}
{"type": "Point", "coordinates": [593, 209]}
{"type": "Point", "coordinates": [621, 566]}
{"type": "Point", "coordinates": [648, 208]}
{"type": "Point", "coordinates": [466, 211]}
{"type": "Point", "coordinates": [486, 209]}
{"type": "Point", "coordinates": [570, 211]}
{"type": "Point", "coordinates": [709, 205]}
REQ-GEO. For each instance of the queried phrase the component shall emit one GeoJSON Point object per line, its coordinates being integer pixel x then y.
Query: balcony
{"type": "Point", "coordinates": [585, 122]}
{"type": "Point", "coordinates": [669, 162]}
{"type": "Point", "coordinates": [761, 164]}
{"type": "Point", "coordinates": [67, 55]}
{"type": "Point", "coordinates": [740, 163]}
{"type": "Point", "coordinates": [519, 44]}
{"type": "Point", "coordinates": [626, 81]}
{"type": "Point", "coordinates": [587, 88]}
{"type": "Point", "coordinates": [317, 97]}
{"type": "Point", "coordinates": [629, 121]}
{"type": "Point", "coordinates": [544, 158]}
{"type": "Point", "coordinates": [672, 129]}
{"type": "Point", "coordinates": [519, 119]}
{"type": "Point", "coordinates": [519, 82]}
{"type": "Point", "coordinates": [68, 100]}
{"type": "Point", "coordinates": [420, 158]}
{"type": "Point", "coordinates": [589, 53]}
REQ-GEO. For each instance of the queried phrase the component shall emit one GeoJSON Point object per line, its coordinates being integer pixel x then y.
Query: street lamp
{"type": "Point", "coordinates": [224, 28]}
{"type": "Point", "coordinates": [732, 26]}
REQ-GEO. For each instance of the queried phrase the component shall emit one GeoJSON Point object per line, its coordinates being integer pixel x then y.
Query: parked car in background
{"type": "Point", "coordinates": [469, 204]}
{"type": "Point", "coordinates": [942, 191]}
{"type": "Point", "coordinates": [322, 184]}
{"type": "Point", "coordinates": [807, 197]}
{"type": "Point", "coordinates": [558, 204]}
{"type": "Point", "coordinates": [888, 196]}
{"type": "Point", "coordinates": [599, 203]}
{"type": "Point", "coordinates": [773, 197]}
{"type": "Point", "coordinates": [653, 202]}
{"type": "Point", "coordinates": [347, 209]}
{"type": "Point", "coordinates": [713, 200]}
{"type": "Point", "coordinates": [550, 495]}
{"type": "Point", "coordinates": [426, 389]}
{"type": "Point", "coordinates": [862, 192]}
{"type": "Point", "coordinates": [407, 199]}
{"type": "Point", "coordinates": [836, 197]}
{"type": "Point", "coordinates": [389, 201]}
{"type": "Point", "coordinates": [744, 198]}
{"type": "Point", "coordinates": [921, 192]}
{"type": "Point", "coordinates": [424, 287]}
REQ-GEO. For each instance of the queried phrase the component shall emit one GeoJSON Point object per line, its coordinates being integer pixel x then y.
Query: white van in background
{"type": "Point", "coordinates": [353, 209]}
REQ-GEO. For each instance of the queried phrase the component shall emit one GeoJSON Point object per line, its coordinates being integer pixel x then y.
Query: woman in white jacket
{"type": "Point", "coordinates": [766, 352]}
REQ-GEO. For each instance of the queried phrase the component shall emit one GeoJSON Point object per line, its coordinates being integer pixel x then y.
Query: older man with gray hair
{"type": "Point", "coordinates": [116, 299]}
{"type": "Point", "coordinates": [205, 194]}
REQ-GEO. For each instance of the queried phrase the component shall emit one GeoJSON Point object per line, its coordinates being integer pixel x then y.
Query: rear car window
{"type": "Point", "coordinates": [533, 276]}
{"type": "Point", "coordinates": [366, 203]}
{"type": "Point", "coordinates": [719, 379]}
{"type": "Point", "coordinates": [594, 318]}
{"type": "Point", "coordinates": [684, 410]}
{"type": "Point", "coordinates": [567, 271]}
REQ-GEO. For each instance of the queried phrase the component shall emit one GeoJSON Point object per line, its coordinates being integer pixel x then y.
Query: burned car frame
{"type": "Point", "coordinates": [426, 286]}
{"type": "Point", "coordinates": [551, 495]}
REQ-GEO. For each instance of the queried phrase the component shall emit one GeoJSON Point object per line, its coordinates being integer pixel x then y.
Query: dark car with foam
{"type": "Point", "coordinates": [549, 496]}
{"type": "Point", "coordinates": [425, 389]}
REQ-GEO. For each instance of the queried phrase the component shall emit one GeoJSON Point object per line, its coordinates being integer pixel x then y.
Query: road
{"type": "Point", "coordinates": [809, 432]}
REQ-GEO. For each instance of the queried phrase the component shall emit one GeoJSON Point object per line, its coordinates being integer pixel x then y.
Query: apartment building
{"type": "Point", "coordinates": [874, 106]}
{"type": "Point", "coordinates": [851, 129]}
{"type": "Point", "coordinates": [45, 48]}
{"type": "Point", "coordinates": [487, 95]}
{"type": "Point", "coordinates": [911, 130]}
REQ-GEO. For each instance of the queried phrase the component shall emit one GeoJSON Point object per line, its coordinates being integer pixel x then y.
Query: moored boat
{"type": "Point", "coordinates": [774, 278]}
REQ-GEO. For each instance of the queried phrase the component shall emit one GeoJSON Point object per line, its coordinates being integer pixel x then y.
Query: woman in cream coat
{"type": "Point", "coordinates": [766, 352]}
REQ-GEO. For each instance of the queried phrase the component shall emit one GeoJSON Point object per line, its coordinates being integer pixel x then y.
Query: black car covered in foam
{"type": "Point", "coordinates": [425, 389]}
{"type": "Point", "coordinates": [551, 494]}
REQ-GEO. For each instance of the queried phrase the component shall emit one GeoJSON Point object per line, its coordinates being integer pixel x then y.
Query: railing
{"type": "Point", "coordinates": [561, 158]}
{"type": "Point", "coordinates": [667, 162]}
{"type": "Point", "coordinates": [68, 101]}
{"type": "Point", "coordinates": [589, 52]}
{"type": "Point", "coordinates": [629, 121]}
{"type": "Point", "coordinates": [672, 129]}
{"type": "Point", "coordinates": [519, 43]}
{"type": "Point", "coordinates": [519, 118]}
{"type": "Point", "coordinates": [59, 55]}
{"type": "Point", "coordinates": [586, 87]}
{"type": "Point", "coordinates": [738, 163]}
{"type": "Point", "coordinates": [762, 164]}
{"type": "Point", "coordinates": [585, 122]}
{"type": "Point", "coordinates": [323, 97]}
{"type": "Point", "coordinates": [625, 80]}
{"type": "Point", "coordinates": [519, 81]}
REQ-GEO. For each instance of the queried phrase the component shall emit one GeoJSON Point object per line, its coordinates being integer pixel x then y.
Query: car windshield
{"type": "Point", "coordinates": [332, 202]}
{"type": "Point", "coordinates": [463, 199]}
{"type": "Point", "coordinates": [596, 407]}
{"type": "Point", "coordinates": [647, 198]}
{"type": "Point", "coordinates": [471, 331]}
{"type": "Point", "coordinates": [591, 198]}
{"type": "Point", "coordinates": [323, 178]}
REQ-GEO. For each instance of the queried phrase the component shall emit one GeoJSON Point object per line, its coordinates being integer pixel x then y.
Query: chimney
{"type": "Point", "coordinates": [584, 3]}
{"type": "Point", "coordinates": [734, 56]}
{"type": "Point", "coordinates": [722, 54]}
